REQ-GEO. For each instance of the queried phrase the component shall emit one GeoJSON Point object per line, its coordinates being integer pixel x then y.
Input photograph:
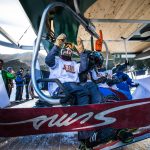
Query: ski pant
{"type": "Point", "coordinates": [27, 91]}
{"type": "Point", "coordinates": [19, 92]}
{"type": "Point", "coordinates": [86, 93]}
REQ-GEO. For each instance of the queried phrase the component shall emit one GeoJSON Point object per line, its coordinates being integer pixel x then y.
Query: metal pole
{"type": "Point", "coordinates": [76, 6]}
{"type": "Point", "coordinates": [120, 21]}
{"type": "Point", "coordinates": [8, 37]}
{"type": "Point", "coordinates": [107, 54]}
{"type": "Point", "coordinates": [125, 47]}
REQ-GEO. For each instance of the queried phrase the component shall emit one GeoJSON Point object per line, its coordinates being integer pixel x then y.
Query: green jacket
{"type": "Point", "coordinates": [6, 75]}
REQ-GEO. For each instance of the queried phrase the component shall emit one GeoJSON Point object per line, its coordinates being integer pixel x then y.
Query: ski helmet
{"type": "Point", "coordinates": [96, 58]}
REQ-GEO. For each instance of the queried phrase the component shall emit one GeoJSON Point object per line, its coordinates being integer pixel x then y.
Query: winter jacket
{"type": "Point", "coordinates": [7, 75]}
{"type": "Point", "coordinates": [27, 78]}
{"type": "Point", "coordinates": [19, 80]}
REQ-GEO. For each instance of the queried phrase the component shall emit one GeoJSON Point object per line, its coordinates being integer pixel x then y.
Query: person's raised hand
{"type": "Point", "coordinates": [80, 46]}
{"type": "Point", "coordinates": [60, 40]}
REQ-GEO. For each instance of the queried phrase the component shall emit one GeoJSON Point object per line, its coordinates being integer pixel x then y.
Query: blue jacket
{"type": "Point", "coordinates": [50, 58]}
{"type": "Point", "coordinates": [19, 80]}
{"type": "Point", "coordinates": [126, 84]}
{"type": "Point", "coordinates": [27, 78]}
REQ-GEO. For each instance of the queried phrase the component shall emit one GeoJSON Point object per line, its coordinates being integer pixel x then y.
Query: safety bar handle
{"type": "Point", "coordinates": [57, 81]}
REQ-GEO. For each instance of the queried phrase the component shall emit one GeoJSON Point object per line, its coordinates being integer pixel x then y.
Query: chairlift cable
{"type": "Point", "coordinates": [125, 47]}
{"type": "Point", "coordinates": [76, 6]}
{"type": "Point", "coordinates": [23, 34]}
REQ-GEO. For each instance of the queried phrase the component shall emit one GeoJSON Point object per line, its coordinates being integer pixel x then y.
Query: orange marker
{"type": "Point", "coordinates": [99, 42]}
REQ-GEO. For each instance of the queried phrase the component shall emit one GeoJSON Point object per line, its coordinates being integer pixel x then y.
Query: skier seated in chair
{"type": "Point", "coordinates": [100, 76]}
{"type": "Point", "coordinates": [116, 86]}
{"type": "Point", "coordinates": [93, 67]}
{"type": "Point", "coordinates": [123, 81]}
{"type": "Point", "coordinates": [66, 70]}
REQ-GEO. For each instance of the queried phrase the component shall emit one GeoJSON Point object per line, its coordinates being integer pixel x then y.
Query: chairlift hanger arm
{"type": "Point", "coordinates": [79, 18]}
{"type": "Point", "coordinates": [76, 6]}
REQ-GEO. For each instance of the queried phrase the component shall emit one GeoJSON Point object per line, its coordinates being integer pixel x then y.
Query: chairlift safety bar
{"type": "Point", "coordinates": [36, 48]}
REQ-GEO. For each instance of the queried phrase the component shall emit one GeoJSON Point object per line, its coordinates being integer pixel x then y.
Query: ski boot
{"type": "Point", "coordinates": [102, 136]}
{"type": "Point", "coordinates": [125, 135]}
{"type": "Point", "coordinates": [41, 103]}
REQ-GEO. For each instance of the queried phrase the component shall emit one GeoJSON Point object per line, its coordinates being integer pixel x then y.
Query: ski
{"type": "Point", "coordinates": [30, 121]}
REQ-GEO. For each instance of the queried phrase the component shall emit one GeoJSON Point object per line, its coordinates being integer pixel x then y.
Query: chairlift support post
{"type": "Point", "coordinates": [88, 28]}
{"type": "Point", "coordinates": [8, 37]}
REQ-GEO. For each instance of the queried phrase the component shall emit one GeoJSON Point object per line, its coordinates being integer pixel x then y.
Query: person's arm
{"type": "Point", "coordinates": [102, 79]}
{"type": "Point", "coordinates": [113, 81]}
{"type": "Point", "coordinates": [83, 62]}
{"type": "Point", "coordinates": [131, 83]}
{"type": "Point", "coordinates": [50, 58]}
{"type": "Point", "coordinates": [10, 75]}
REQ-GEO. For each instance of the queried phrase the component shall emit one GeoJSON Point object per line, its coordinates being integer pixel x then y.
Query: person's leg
{"type": "Point", "coordinates": [95, 94]}
{"type": "Point", "coordinates": [21, 92]}
{"type": "Point", "coordinates": [32, 92]}
{"type": "Point", "coordinates": [20, 89]}
{"type": "Point", "coordinates": [82, 97]}
{"type": "Point", "coordinates": [17, 93]}
{"type": "Point", "coordinates": [78, 91]}
{"type": "Point", "coordinates": [27, 92]}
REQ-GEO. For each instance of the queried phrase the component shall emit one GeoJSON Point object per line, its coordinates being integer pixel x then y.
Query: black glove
{"type": "Point", "coordinates": [137, 84]}
{"type": "Point", "coordinates": [102, 79]}
{"type": "Point", "coordinates": [110, 82]}
{"type": "Point", "coordinates": [125, 77]}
